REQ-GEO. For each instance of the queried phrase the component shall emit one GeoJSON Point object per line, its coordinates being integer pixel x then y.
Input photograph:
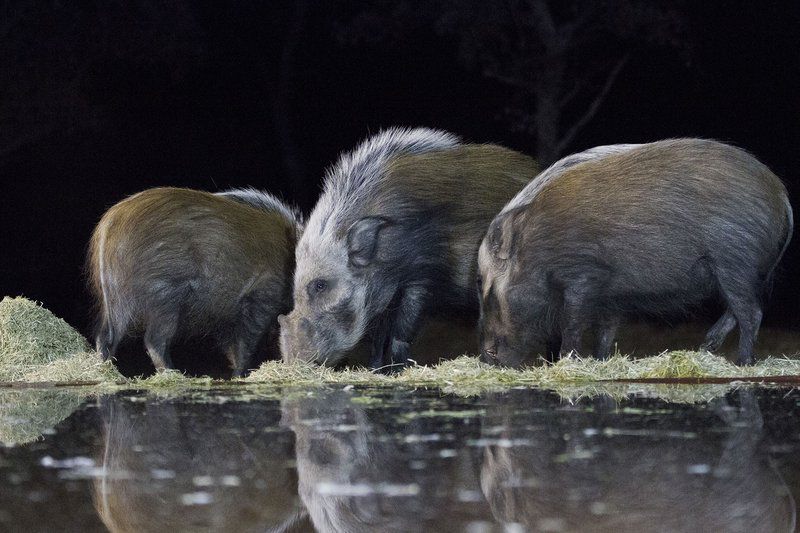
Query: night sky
{"type": "Point", "coordinates": [98, 103]}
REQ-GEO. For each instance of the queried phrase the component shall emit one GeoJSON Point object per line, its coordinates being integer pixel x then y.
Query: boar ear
{"type": "Point", "coordinates": [501, 236]}
{"type": "Point", "coordinates": [362, 239]}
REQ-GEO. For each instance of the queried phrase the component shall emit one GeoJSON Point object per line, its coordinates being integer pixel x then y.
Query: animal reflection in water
{"type": "Point", "coordinates": [564, 472]}
{"type": "Point", "coordinates": [368, 470]}
{"type": "Point", "coordinates": [195, 467]}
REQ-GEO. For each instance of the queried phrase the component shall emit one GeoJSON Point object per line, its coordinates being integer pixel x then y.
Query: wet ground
{"type": "Point", "coordinates": [349, 459]}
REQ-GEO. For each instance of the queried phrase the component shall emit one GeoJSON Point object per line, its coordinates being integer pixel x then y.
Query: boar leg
{"type": "Point", "coordinates": [158, 338]}
{"type": "Point", "coordinates": [578, 299]}
{"type": "Point", "coordinates": [107, 339]}
{"type": "Point", "coordinates": [605, 333]}
{"type": "Point", "coordinates": [716, 335]}
{"type": "Point", "coordinates": [240, 354]}
{"type": "Point", "coordinates": [398, 329]}
{"type": "Point", "coordinates": [743, 301]}
{"type": "Point", "coordinates": [380, 338]}
{"type": "Point", "coordinates": [253, 321]}
{"type": "Point", "coordinates": [749, 320]}
{"type": "Point", "coordinates": [552, 348]}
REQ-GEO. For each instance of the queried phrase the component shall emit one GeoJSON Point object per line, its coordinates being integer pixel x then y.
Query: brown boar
{"type": "Point", "coordinates": [656, 228]}
{"type": "Point", "coordinates": [394, 237]}
{"type": "Point", "coordinates": [172, 261]}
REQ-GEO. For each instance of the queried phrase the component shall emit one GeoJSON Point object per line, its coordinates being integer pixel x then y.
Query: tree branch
{"type": "Point", "coordinates": [576, 88]}
{"type": "Point", "coordinates": [569, 30]}
{"type": "Point", "coordinates": [509, 80]}
{"type": "Point", "coordinates": [544, 23]}
{"type": "Point", "coordinates": [281, 103]}
{"type": "Point", "coordinates": [591, 111]}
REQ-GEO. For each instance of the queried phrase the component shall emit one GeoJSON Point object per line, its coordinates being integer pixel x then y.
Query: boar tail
{"type": "Point", "coordinates": [789, 226]}
{"type": "Point", "coordinates": [111, 320]}
{"type": "Point", "coordinates": [787, 239]}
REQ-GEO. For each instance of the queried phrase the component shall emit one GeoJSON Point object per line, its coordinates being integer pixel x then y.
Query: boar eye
{"type": "Point", "coordinates": [317, 286]}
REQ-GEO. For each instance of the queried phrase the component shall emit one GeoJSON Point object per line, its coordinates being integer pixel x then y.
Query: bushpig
{"type": "Point", "coordinates": [394, 236]}
{"type": "Point", "coordinates": [655, 228]}
{"type": "Point", "coordinates": [176, 261]}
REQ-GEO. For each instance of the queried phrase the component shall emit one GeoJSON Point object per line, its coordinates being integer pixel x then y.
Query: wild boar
{"type": "Point", "coordinates": [656, 228]}
{"type": "Point", "coordinates": [173, 261]}
{"type": "Point", "coordinates": [394, 236]}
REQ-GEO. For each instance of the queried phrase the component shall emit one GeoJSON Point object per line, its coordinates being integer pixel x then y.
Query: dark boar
{"type": "Point", "coordinates": [178, 261]}
{"type": "Point", "coordinates": [395, 235]}
{"type": "Point", "coordinates": [655, 228]}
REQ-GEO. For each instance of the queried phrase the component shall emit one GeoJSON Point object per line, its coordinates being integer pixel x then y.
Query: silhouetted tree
{"type": "Point", "coordinates": [558, 60]}
{"type": "Point", "coordinates": [282, 101]}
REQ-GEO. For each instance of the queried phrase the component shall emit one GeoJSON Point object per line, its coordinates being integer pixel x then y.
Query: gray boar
{"type": "Point", "coordinates": [655, 228]}
{"type": "Point", "coordinates": [177, 261]}
{"type": "Point", "coordinates": [394, 236]}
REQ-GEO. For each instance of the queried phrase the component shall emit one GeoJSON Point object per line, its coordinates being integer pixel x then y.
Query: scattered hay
{"type": "Point", "coordinates": [467, 375]}
{"type": "Point", "coordinates": [667, 365]}
{"type": "Point", "coordinates": [80, 368]}
{"type": "Point", "coordinates": [774, 366]}
{"type": "Point", "coordinates": [668, 392]}
{"type": "Point", "coordinates": [25, 415]}
{"type": "Point", "coordinates": [684, 364]}
{"type": "Point", "coordinates": [301, 373]}
{"type": "Point", "coordinates": [463, 370]}
{"type": "Point", "coordinates": [37, 346]}
{"type": "Point", "coordinates": [169, 379]}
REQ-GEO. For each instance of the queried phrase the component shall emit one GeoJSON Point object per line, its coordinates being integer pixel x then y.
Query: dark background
{"type": "Point", "coordinates": [99, 100]}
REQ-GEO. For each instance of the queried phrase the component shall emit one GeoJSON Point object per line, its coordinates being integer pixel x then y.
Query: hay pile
{"type": "Point", "coordinates": [37, 346]}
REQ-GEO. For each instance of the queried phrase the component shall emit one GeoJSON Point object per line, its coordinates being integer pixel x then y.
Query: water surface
{"type": "Point", "coordinates": [350, 459]}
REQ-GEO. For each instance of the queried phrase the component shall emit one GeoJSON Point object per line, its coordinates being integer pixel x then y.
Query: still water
{"type": "Point", "coordinates": [345, 459]}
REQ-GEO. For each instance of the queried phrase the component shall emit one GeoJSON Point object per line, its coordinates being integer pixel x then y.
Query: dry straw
{"type": "Point", "coordinates": [36, 345]}
{"type": "Point", "coordinates": [467, 370]}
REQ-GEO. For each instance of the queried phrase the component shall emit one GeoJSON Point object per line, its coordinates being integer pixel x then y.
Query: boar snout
{"type": "Point", "coordinates": [296, 336]}
{"type": "Point", "coordinates": [489, 354]}
{"type": "Point", "coordinates": [493, 349]}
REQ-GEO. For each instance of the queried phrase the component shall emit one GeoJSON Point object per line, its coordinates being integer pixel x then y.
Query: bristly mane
{"type": "Point", "coordinates": [351, 180]}
{"type": "Point", "coordinates": [530, 191]}
{"type": "Point", "coordinates": [264, 201]}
